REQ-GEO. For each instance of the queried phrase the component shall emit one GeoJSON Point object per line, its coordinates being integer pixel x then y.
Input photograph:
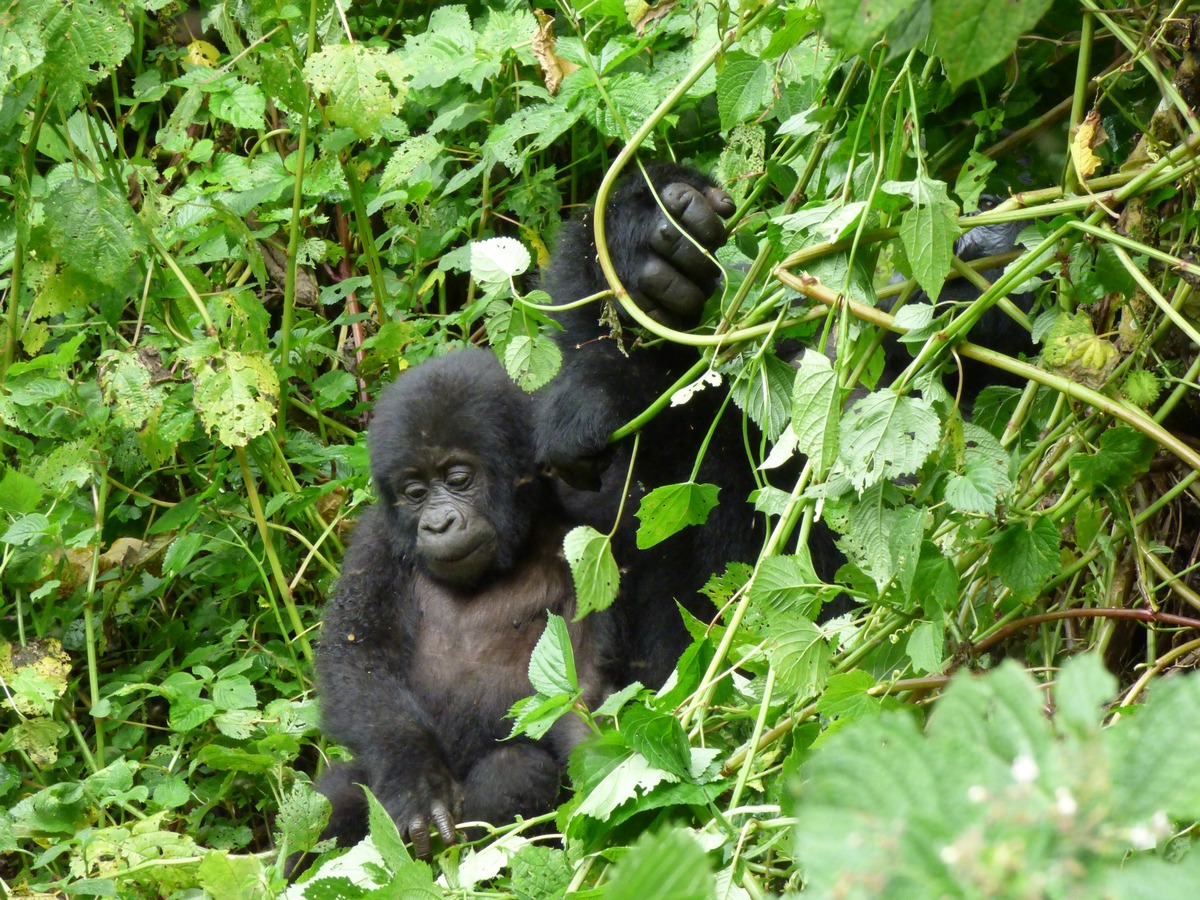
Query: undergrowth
{"type": "Point", "coordinates": [222, 231]}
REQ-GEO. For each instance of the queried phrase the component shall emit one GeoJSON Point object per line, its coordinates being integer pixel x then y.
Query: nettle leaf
{"type": "Point", "coordinates": [800, 653]}
{"type": "Point", "coordinates": [623, 781]}
{"type": "Point", "coordinates": [993, 772]}
{"type": "Point", "coordinates": [765, 393]}
{"type": "Point", "coordinates": [362, 85]}
{"type": "Point", "coordinates": [854, 25]}
{"type": "Point", "coordinates": [498, 260]}
{"type": "Point", "coordinates": [846, 697]}
{"type": "Point", "coordinates": [742, 83]}
{"type": "Point", "coordinates": [84, 42]}
{"type": "Point", "coordinates": [884, 436]}
{"type": "Point", "coordinates": [242, 105]}
{"type": "Point", "coordinates": [532, 360]}
{"type": "Point", "coordinates": [984, 478]}
{"type": "Point", "coordinates": [668, 864]}
{"type": "Point", "coordinates": [129, 389]}
{"type": "Point", "coordinates": [1025, 554]}
{"type": "Point", "coordinates": [884, 542]}
{"type": "Point", "coordinates": [789, 585]}
{"type": "Point", "coordinates": [536, 715]}
{"type": "Point", "coordinates": [815, 410]}
{"type": "Point", "coordinates": [593, 569]}
{"type": "Point", "coordinates": [544, 122]}
{"type": "Point", "coordinates": [928, 230]}
{"type": "Point", "coordinates": [974, 35]}
{"type": "Point", "coordinates": [93, 231]}
{"type": "Point", "coordinates": [660, 738]}
{"type": "Point", "coordinates": [444, 50]}
{"type": "Point", "coordinates": [236, 395]}
{"type": "Point", "coordinates": [671, 508]}
{"type": "Point", "coordinates": [634, 97]}
{"type": "Point", "coordinates": [1124, 454]}
{"type": "Point", "coordinates": [552, 663]}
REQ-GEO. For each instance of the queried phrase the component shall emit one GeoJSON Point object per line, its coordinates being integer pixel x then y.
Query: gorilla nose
{"type": "Point", "coordinates": [438, 524]}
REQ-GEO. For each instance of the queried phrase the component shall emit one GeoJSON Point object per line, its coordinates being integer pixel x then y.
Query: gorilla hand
{"type": "Point", "coordinates": [667, 273]}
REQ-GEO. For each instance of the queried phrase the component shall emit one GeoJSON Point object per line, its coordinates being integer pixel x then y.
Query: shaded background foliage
{"type": "Point", "coordinates": [225, 228]}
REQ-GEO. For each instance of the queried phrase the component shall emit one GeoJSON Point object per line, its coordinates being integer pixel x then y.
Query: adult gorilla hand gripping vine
{"type": "Point", "coordinates": [443, 595]}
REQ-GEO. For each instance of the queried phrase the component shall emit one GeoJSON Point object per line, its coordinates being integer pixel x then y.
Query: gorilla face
{"type": "Point", "coordinates": [452, 458]}
{"type": "Point", "coordinates": [439, 496]}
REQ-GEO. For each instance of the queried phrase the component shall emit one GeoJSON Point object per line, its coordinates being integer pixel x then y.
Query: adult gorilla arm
{"type": "Point", "coordinates": [369, 633]}
{"type": "Point", "coordinates": [666, 275]}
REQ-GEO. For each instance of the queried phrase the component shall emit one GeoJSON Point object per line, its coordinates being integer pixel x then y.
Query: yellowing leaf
{"type": "Point", "coordinates": [1089, 134]}
{"type": "Point", "coordinates": [202, 53]}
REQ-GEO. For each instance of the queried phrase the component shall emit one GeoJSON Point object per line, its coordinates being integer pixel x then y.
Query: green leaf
{"type": "Point", "coordinates": [984, 477]}
{"type": "Point", "coordinates": [540, 873]}
{"type": "Point", "coordinates": [669, 509]}
{"type": "Point", "coordinates": [223, 875]}
{"type": "Point", "coordinates": [928, 230]}
{"type": "Point", "coordinates": [19, 493]}
{"type": "Point", "coordinates": [815, 410]}
{"type": "Point", "coordinates": [536, 715]}
{"type": "Point", "coordinates": [1124, 454]}
{"type": "Point", "coordinates": [552, 663]}
{"type": "Point", "coordinates": [658, 737]}
{"type": "Point", "coordinates": [789, 585]}
{"type": "Point", "coordinates": [884, 436]}
{"type": "Point", "coordinates": [532, 360]}
{"type": "Point", "coordinates": [1081, 690]}
{"type": "Point", "coordinates": [854, 25]}
{"type": "Point", "coordinates": [1025, 554]}
{"type": "Point", "coordinates": [94, 232]}
{"type": "Point", "coordinates": [885, 542]}
{"type": "Point", "coordinates": [384, 833]}
{"type": "Point", "coordinates": [926, 647]}
{"type": "Point", "coordinates": [846, 697]}
{"type": "Point", "coordinates": [27, 530]}
{"type": "Point", "coordinates": [741, 86]}
{"type": "Point", "coordinates": [974, 35]}
{"type": "Point", "coordinates": [242, 106]}
{"type": "Point", "coordinates": [765, 391]}
{"type": "Point", "coordinates": [1139, 745]}
{"type": "Point", "coordinates": [593, 569]}
{"type": "Point", "coordinates": [84, 42]}
{"type": "Point", "coordinates": [631, 774]}
{"type": "Point", "coordinates": [236, 394]}
{"type": "Point", "coordinates": [800, 654]}
{"type": "Point", "coordinates": [665, 865]}
{"type": "Point", "coordinates": [362, 85]}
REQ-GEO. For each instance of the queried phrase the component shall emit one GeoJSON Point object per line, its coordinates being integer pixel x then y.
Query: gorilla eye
{"type": "Point", "coordinates": [458, 479]}
{"type": "Point", "coordinates": [415, 492]}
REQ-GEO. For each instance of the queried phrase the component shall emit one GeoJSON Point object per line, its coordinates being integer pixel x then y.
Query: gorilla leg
{"type": "Point", "coordinates": [341, 785]}
{"type": "Point", "coordinates": [515, 778]}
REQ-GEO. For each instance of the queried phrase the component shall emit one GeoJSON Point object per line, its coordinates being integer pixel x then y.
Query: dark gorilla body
{"type": "Point", "coordinates": [443, 595]}
{"type": "Point", "coordinates": [603, 385]}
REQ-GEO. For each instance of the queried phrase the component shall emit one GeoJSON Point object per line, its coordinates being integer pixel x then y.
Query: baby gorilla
{"type": "Point", "coordinates": [443, 595]}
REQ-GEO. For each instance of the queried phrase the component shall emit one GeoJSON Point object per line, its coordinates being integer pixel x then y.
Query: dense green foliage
{"type": "Point", "coordinates": [214, 252]}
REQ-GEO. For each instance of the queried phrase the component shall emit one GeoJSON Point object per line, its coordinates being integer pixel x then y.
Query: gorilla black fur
{"type": "Point", "coordinates": [602, 385]}
{"type": "Point", "coordinates": [443, 594]}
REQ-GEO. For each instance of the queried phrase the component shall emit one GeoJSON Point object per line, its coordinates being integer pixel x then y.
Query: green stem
{"type": "Point", "coordinates": [289, 282]}
{"type": "Point", "coordinates": [281, 582]}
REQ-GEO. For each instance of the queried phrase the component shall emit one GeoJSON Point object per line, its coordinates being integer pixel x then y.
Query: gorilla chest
{"type": "Point", "coordinates": [474, 646]}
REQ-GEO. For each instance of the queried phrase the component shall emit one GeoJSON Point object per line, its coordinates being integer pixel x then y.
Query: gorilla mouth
{"type": "Point", "coordinates": [463, 563]}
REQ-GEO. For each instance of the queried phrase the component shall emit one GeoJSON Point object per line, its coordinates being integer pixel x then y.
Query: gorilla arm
{"type": "Point", "coordinates": [666, 275]}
